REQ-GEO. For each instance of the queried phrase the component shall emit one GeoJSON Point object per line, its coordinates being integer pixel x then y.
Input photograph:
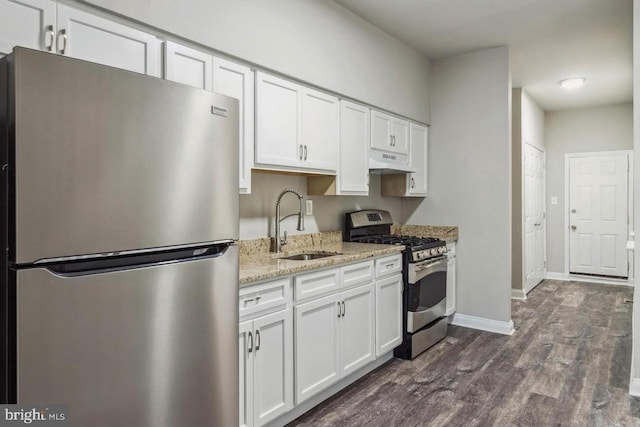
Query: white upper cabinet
{"type": "Point", "coordinates": [237, 81]}
{"type": "Point", "coordinates": [27, 23]}
{"type": "Point", "coordinates": [277, 132]}
{"type": "Point", "coordinates": [92, 38]}
{"type": "Point", "coordinates": [298, 128]}
{"type": "Point", "coordinates": [353, 176]}
{"type": "Point", "coordinates": [320, 130]}
{"type": "Point", "coordinates": [188, 66]}
{"type": "Point", "coordinates": [389, 133]}
{"type": "Point", "coordinates": [417, 183]}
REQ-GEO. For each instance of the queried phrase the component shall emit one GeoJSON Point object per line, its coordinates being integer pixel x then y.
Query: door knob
{"type": "Point", "coordinates": [573, 227]}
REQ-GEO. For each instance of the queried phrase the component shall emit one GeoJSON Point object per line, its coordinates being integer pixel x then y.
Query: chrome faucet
{"type": "Point", "coordinates": [277, 246]}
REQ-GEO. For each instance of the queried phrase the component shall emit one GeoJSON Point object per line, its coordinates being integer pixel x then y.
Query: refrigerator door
{"type": "Point", "coordinates": [155, 346]}
{"type": "Point", "coordinates": [108, 160]}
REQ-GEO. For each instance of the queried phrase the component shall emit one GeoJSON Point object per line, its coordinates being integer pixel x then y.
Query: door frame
{"type": "Point", "coordinates": [630, 226]}
{"type": "Point", "coordinates": [544, 216]}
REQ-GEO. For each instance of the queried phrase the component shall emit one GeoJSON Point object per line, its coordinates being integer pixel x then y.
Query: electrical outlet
{"type": "Point", "coordinates": [309, 207]}
{"type": "Point", "coordinates": [554, 200]}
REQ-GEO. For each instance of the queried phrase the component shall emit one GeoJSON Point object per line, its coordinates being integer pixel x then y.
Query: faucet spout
{"type": "Point", "coordinates": [278, 243]}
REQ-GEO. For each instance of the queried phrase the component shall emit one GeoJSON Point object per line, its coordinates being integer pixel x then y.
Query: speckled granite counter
{"type": "Point", "coordinates": [257, 263]}
{"type": "Point", "coordinates": [444, 232]}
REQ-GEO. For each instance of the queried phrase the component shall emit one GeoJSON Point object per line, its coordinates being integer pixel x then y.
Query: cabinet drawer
{"type": "Point", "coordinates": [317, 283]}
{"type": "Point", "coordinates": [266, 296]}
{"type": "Point", "coordinates": [389, 265]}
{"type": "Point", "coordinates": [356, 274]}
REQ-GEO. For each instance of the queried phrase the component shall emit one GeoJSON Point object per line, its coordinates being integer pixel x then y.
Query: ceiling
{"type": "Point", "coordinates": [548, 40]}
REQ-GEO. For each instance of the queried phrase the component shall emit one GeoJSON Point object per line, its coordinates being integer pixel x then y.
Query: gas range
{"type": "Point", "coordinates": [424, 279]}
{"type": "Point", "coordinates": [374, 226]}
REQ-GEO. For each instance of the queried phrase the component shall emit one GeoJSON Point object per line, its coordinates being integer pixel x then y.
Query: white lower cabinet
{"type": "Point", "coordinates": [388, 313]}
{"type": "Point", "coordinates": [317, 340]}
{"type": "Point", "coordinates": [334, 337]}
{"type": "Point", "coordinates": [266, 362]}
{"type": "Point", "coordinates": [451, 278]}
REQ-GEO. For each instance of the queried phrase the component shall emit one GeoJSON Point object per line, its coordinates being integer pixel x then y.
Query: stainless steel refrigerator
{"type": "Point", "coordinates": [119, 214]}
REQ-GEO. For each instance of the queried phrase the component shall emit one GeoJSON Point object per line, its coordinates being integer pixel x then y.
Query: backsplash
{"type": "Point", "coordinates": [257, 210]}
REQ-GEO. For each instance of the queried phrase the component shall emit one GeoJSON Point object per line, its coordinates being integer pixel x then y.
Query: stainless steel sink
{"type": "Point", "coordinates": [309, 256]}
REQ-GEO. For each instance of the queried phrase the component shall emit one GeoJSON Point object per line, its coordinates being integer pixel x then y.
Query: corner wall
{"type": "Point", "coordinates": [470, 183]}
{"type": "Point", "coordinates": [634, 387]}
{"type": "Point", "coordinates": [578, 130]}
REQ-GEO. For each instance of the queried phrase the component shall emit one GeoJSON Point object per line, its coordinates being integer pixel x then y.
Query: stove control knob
{"type": "Point", "coordinates": [419, 255]}
{"type": "Point", "coordinates": [434, 251]}
{"type": "Point", "coordinates": [442, 250]}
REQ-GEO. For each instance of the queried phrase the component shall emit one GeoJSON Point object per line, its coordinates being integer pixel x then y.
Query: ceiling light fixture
{"type": "Point", "coordinates": [573, 83]}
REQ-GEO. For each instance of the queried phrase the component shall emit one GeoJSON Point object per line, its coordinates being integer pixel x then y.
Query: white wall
{"type": "Point", "coordinates": [316, 41]}
{"type": "Point", "coordinates": [635, 362]}
{"type": "Point", "coordinates": [573, 131]}
{"type": "Point", "coordinates": [527, 127]}
{"type": "Point", "coordinates": [257, 210]}
{"type": "Point", "coordinates": [470, 176]}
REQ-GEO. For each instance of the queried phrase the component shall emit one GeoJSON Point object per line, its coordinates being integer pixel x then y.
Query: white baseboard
{"type": "Point", "coordinates": [518, 294]}
{"type": "Point", "coordinates": [634, 387]}
{"type": "Point", "coordinates": [552, 275]}
{"type": "Point", "coordinates": [504, 328]}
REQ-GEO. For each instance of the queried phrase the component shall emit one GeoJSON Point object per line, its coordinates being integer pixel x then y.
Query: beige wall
{"type": "Point", "coordinates": [574, 131]}
{"type": "Point", "coordinates": [257, 210]}
{"type": "Point", "coordinates": [319, 42]}
{"type": "Point", "coordinates": [470, 176]}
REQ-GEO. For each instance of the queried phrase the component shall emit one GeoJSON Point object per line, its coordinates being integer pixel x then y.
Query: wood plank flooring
{"type": "Point", "coordinates": [567, 364]}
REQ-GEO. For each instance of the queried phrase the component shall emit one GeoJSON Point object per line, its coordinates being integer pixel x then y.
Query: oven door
{"type": "Point", "coordinates": [427, 292]}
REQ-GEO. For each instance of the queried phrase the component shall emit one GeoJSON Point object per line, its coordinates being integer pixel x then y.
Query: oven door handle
{"type": "Point", "coordinates": [420, 271]}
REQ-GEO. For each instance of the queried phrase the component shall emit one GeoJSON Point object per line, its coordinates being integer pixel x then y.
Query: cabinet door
{"type": "Point", "coordinates": [277, 135]}
{"type": "Point", "coordinates": [27, 23]}
{"type": "Point", "coordinates": [399, 136]}
{"type": "Point", "coordinates": [451, 286]}
{"type": "Point", "coordinates": [320, 130]}
{"type": "Point", "coordinates": [417, 185]}
{"type": "Point", "coordinates": [316, 339]}
{"type": "Point", "coordinates": [356, 329]}
{"type": "Point", "coordinates": [188, 66]}
{"type": "Point", "coordinates": [381, 131]}
{"type": "Point", "coordinates": [388, 314]}
{"type": "Point", "coordinates": [353, 176]}
{"type": "Point", "coordinates": [92, 38]}
{"type": "Point", "coordinates": [237, 81]}
{"type": "Point", "coordinates": [273, 366]}
{"type": "Point", "coordinates": [245, 351]}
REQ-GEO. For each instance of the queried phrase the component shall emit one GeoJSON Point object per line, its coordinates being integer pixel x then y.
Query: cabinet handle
{"type": "Point", "coordinates": [339, 311]}
{"type": "Point", "coordinates": [257, 340]}
{"type": "Point", "coordinates": [413, 183]}
{"type": "Point", "coordinates": [344, 309]}
{"type": "Point", "coordinates": [50, 36]}
{"type": "Point", "coordinates": [250, 342]}
{"type": "Point", "coordinates": [300, 151]}
{"type": "Point", "coordinates": [389, 266]}
{"type": "Point", "coordinates": [390, 140]}
{"type": "Point", "coordinates": [305, 152]}
{"type": "Point", "coordinates": [65, 40]}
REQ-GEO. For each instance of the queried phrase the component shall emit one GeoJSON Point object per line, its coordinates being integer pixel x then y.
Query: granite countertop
{"type": "Point", "coordinates": [256, 264]}
{"type": "Point", "coordinates": [444, 232]}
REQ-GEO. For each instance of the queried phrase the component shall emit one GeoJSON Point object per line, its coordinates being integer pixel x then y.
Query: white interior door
{"type": "Point", "coordinates": [534, 216]}
{"type": "Point", "coordinates": [598, 214]}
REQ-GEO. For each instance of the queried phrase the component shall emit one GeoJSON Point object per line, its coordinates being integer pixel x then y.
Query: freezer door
{"type": "Point", "coordinates": [108, 160]}
{"type": "Point", "coordinates": [154, 346]}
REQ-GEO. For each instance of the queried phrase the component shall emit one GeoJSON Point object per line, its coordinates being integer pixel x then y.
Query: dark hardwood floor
{"type": "Point", "coordinates": [567, 364]}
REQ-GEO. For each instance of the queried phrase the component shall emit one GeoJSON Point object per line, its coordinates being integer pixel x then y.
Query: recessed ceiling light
{"type": "Point", "coordinates": [572, 83]}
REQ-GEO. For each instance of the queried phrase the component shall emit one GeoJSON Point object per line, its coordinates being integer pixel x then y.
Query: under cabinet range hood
{"type": "Point", "coordinates": [385, 162]}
